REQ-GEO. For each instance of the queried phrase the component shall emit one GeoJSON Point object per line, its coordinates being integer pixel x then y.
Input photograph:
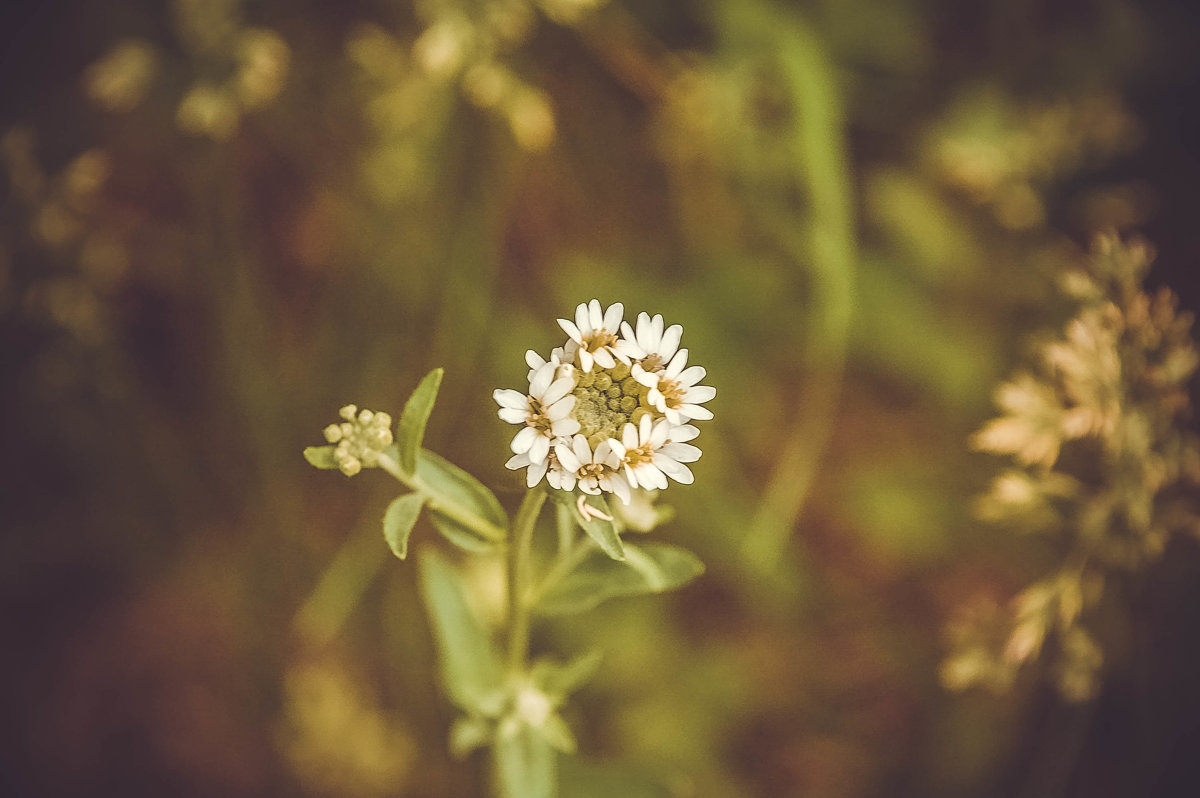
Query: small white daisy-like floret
{"type": "Point", "coordinates": [593, 471]}
{"type": "Point", "coordinates": [650, 344]}
{"type": "Point", "coordinates": [562, 363]}
{"type": "Point", "coordinates": [654, 450]}
{"type": "Point", "coordinates": [673, 389]}
{"type": "Point", "coordinates": [593, 335]}
{"type": "Point", "coordinates": [545, 412]}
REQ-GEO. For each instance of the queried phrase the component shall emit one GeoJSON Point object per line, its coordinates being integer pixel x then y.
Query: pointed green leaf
{"type": "Point", "coordinates": [599, 530]}
{"type": "Point", "coordinates": [469, 663]}
{"type": "Point", "coordinates": [457, 497]}
{"type": "Point", "coordinates": [411, 430]}
{"type": "Point", "coordinates": [320, 456]}
{"type": "Point", "coordinates": [460, 535]}
{"type": "Point", "coordinates": [468, 733]}
{"type": "Point", "coordinates": [558, 734]}
{"type": "Point", "coordinates": [398, 522]}
{"type": "Point", "coordinates": [652, 568]}
{"type": "Point", "coordinates": [526, 765]}
{"type": "Point", "coordinates": [558, 680]}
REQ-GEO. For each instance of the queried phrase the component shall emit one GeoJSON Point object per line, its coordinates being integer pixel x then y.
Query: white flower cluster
{"type": "Point", "coordinates": [611, 410]}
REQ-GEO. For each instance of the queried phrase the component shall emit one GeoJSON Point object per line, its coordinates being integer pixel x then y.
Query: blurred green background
{"type": "Point", "coordinates": [223, 220]}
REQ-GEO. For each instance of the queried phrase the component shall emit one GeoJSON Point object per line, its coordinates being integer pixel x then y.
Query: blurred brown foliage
{"type": "Point", "coordinates": [223, 220]}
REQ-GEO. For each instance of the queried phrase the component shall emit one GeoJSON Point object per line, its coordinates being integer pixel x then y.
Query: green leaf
{"type": "Point", "coordinates": [560, 680]}
{"type": "Point", "coordinates": [398, 522]}
{"type": "Point", "coordinates": [526, 765]}
{"type": "Point", "coordinates": [599, 530]}
{"type": "Point", "coordinates": [470, 666]}
{"type": "Point", "coordinates": [652, 568]}
{"type": "Point", "coordinates": [459, 535]}
{"type": "Point", "coordinates": [460, 500]}
{"type": "Point", "coordinates": [411, 430]}
{"type": "Point", "coordinates": [468, 733]}
{"type": "Point", "coordinates": [558, 734]}
{"type": "Point", "coordinates": [320, 456]}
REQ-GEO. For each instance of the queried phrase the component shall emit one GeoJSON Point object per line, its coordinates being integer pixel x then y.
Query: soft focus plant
{"type": "Point", "coordinates": [1104, 465]}
{"type": "Point", "coordinates": [608, 413]}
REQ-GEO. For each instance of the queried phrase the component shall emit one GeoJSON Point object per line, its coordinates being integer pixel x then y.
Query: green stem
{"type": "Point", "coordinates": [480, 526]}
{"type": "Point", "coordinates": [518, 577]}
{"type": "Point", "coordinates": [568, 560]}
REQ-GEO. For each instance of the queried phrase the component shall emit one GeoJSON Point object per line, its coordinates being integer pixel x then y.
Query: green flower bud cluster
{"type": "Point", "coordinates": [606, 400]}
{"type": "Point", "coordinates": [360, 438]}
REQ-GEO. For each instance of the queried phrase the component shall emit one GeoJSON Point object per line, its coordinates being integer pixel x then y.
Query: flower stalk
{"type": "Point", "coordinates": [518, 562]}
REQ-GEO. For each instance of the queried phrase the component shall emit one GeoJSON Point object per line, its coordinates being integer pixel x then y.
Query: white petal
{"type": "Point", "coordinates": [631, 476]}
{"type": "Point", "coordinates": [647, 378]}
{"type": "Point", "coordinates": [512, 415]}
{"type": "Point", "coordinates": [629, 436]}
{"type": "Point", "coordinates": [660, 433]}
{"type": "Point", "coordinates": [677, 363]}
{"type": "Point", "coordinates": [542, 377]}
{"type": "Point", "coordinates": [620, 487]}
{"type": "Point", "coordinates": [612, 316]}
{"type": "Point", "coordinates": [684, 432]}
{"type": "Point", "coordinates": [604, 358]}
{"type": "Point", "coordinates": [700, 393]}
{"type": "Point", "coordinates": [524, 439]}
{"type": "Point", "coordinates": [567, 481]}
{"type": "Point", "coordinates": [564, 427]}
{"type": "Point", "coordinates": [560, 409]}
{"type": "Point", "coordinates": [570, 462]}
{"type": "Point", "coordinates": [533, 359]}
{"type": "Point", "coordinates": [506, 397]}
{"type": "Point", "coordinates": [643, 329]}
{"type": "Point", "coordinates": [681, 452]}
{"type": "Point", "coordinates": [618, 448]}
{"type": "Point", "coordinates": [691, 375]}
{"type": "Point", "coordinates": [595, 315]}
{"type": "Point", "coordinates": [541, 448]}
{"type": "Point", "coordinates": [645, 426]}
{"type": "Point", "coordinates": [581, 450]}
{"type": "Point", "coordinates": [571, 330]}
{"type": "Point", "coordinates": [670, 341]}
{"type": "Point", "coordinates": [585, 360]}
{"type": "Point", "coordinates": [697, 412]}
{"type": "Point", "coordinates": [517, 461]}
{"type": "Point", "coordinates": [629, 348]}
{"type": "Point", "coordinates": [557, 389]}
{"type": "Point", "coordinates": [655, 398]}
{"type": "Point", "coordinates": [650, 477]}
{"type": "Point", "coordinates": [536, 472]}
{"type": "Point", "coordinates": [676, 471]}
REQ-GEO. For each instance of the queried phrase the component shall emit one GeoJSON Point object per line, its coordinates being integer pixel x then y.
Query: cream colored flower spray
{"type": "Point", "coordinates": [1103, 464]}
{"type": "Point", "coordinates": [609, 414]}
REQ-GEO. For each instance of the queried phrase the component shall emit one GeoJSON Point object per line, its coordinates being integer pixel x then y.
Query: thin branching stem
{"type": "Point", "coordinates": [519, 548]}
